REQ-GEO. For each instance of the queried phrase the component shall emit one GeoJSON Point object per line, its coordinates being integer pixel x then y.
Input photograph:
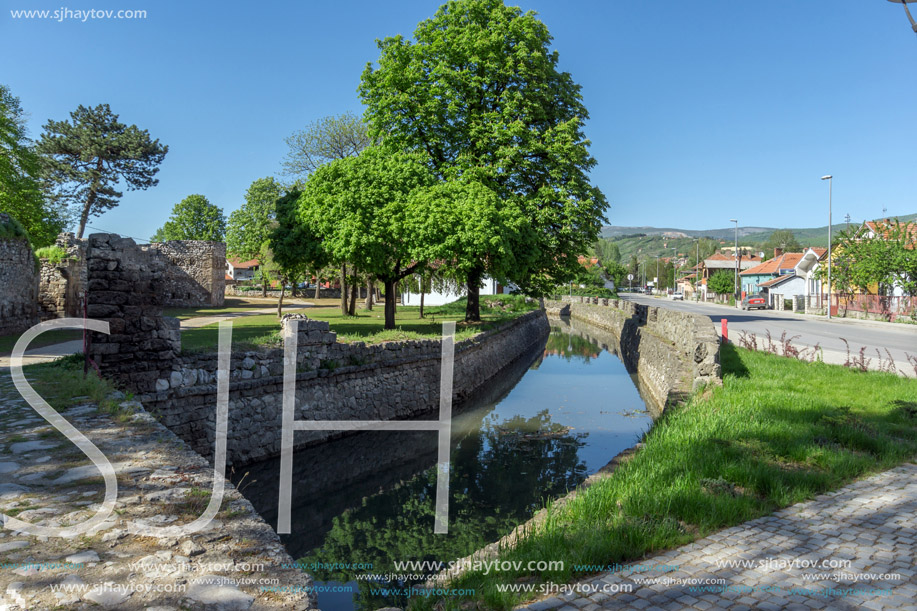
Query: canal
{"type": "Point", "coordinates": [365, 502]}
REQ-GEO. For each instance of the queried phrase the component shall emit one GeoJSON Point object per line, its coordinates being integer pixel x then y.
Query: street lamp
{"type": "Point", "coordinates": [697, 270]}
{"type": "Point", "coordinates": [908, 12]}
{"type": "Point", "coordinates": [674, 272]}
{"type": "Point", "coordinates": [829, 179]}
{"type": "Point", "coordinates": [735, 254]}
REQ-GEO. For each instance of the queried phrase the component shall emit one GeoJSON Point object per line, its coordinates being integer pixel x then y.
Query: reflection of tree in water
{"type": "Point", "coordinates": [500, 476]}
{"type": "Point", "coordinates": [569, 346]}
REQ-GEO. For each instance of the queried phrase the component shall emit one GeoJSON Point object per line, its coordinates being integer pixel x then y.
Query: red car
{"type": "Point", "coordinates": [754, 302]}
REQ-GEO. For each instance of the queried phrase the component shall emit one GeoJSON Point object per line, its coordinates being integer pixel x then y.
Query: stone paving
{"type": "Point", "coordinates": [46, 480]}
{"type": "Point", "coordinates": [862, 540]}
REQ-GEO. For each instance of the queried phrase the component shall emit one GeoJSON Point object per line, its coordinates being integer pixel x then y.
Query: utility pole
{"type": "Point", "coordinates": [829, 178]}
{"type": "Point", "coordinates": [735, 254]}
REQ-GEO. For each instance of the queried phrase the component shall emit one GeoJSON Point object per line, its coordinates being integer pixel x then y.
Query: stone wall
{"type": "Point", "coordinates": [127, 288]}
{"type": "Point", "coordinates": [61, 285]}
{"type": "Point", "coordinates": [393, 380]}
{"type": "Point", "coordinates": [673, 352]}
{"type": "Point", "coordinates": [18, 286]}
{"type": "Point", "coordinates": [196, 275]}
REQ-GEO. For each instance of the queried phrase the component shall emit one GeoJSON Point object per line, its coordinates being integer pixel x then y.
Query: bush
{"type": "Point", "coordinates": [10, 228]}
{"type": "Point", "coordinates": [54, 254]}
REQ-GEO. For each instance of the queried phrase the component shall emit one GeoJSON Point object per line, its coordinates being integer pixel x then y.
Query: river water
{"type": "Point", "coordinates": [364, 502]}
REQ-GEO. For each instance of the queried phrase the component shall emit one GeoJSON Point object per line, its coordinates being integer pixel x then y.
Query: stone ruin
{"type": "Point", "coordinates": [18, 284]}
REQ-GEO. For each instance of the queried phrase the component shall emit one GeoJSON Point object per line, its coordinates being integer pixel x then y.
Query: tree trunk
{"type": "Point", "coordinates": [263, 285]}
{"type": "Point", "coordinates": [473, 305]}
{"type": "Point", "coordinates": [354, 294]}
{"type": "Point", "coordinates": [318, 284]}
{"type": "Point", "coordinates": [421, 295]}
{"type": "Point", "coordinates": [90, 200]}
{"type": "Point", "coordinates": [344, 289]}
{"type": "Point", "coordinates": [283, 289]}
{"type": "Point", "coordinates": [369, 295]}
{"type": "Point", "coordinates": [389, 304]}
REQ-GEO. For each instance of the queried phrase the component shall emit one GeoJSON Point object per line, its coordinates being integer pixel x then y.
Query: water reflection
{"type": "Point", "coordinates": [551, 420]}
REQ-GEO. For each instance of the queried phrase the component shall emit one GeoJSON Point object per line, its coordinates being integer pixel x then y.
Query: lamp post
{"type": "Point", "coordinates": [829, 179]}
{"type": "Point", "coordinates": [697, 270]}
{"type": "Point", "coordinates": [674, 271]}
{"type": "Point", "coordinates": [908, 12]}
{"type": "Point", "coordinates": [735, 255]}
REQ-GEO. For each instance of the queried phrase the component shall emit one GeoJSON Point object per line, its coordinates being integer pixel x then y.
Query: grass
{"type": "Point", "coordinates": [367, 326]}
{"type": "Point", "coordinates": [62, 385]}
{"type": "Point", "coordinates": [777, 432]}
{"type": "Point", "coordinates": [54, 254]}
{"type": "Point", "coordinates": [54, 336]}
{"type": "Point", "coordinates": [232, 305]}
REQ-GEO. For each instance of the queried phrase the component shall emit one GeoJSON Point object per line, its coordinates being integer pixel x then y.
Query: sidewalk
{"type": "Point", "coordinates": [849, 549]}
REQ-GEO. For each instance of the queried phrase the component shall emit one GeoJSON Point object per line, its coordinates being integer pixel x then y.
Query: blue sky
{"type": "Point", "coordinates": [701, 111]}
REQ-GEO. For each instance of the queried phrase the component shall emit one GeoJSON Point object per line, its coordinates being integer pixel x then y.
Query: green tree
{"type": "Point", "coordinates": [607, 251]}
{"type": "Point", "coordinates": [479, 93]}
{"type": "Point", "coordinates": [250, 226]}
{"type": "Point", "coordinates": [782, 239]}
{"type": "Point", "coordinates": [722, 282]}
{"type": "Point", "coordinates": [86, 159]}
{"type": "Point", "coordinates": [21, 194]}
{"type": "Point", "coordinates": [296, 250]}
{"type": "Point", "coordinates": [360, 208]}
{"type": "Point", "coordinates": [193, 218]}
{"type": "Point", "coordinates": [322, 141]}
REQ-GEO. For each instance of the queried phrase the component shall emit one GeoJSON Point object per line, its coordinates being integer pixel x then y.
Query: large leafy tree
{"type": "Point", "coordinates": [295, 248]}
{"type": "Point", "coordinates": [324, 140]}
{"type": "Point", "coordinates": [784, 239]}
{"type": "Point", "coordinates": [361, 208]}
{"type": "Point", "coordinates": [722, 282]}
{"type": "Point", "coordinates": [250, 226]}
{"type": "Point", "coordinates": [21, 194]}
{"type": "Point", "coordinates": [87, 158]}
{"type": "Point", "coordinates": [479, 93]}
{"type": "Point", "coordinates": [193, 218]}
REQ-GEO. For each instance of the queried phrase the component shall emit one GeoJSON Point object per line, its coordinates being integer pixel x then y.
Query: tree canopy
{"type": "Point", "coordinates": [782, 239]}
{"type": "Point", "coordinates": [251, 225]}
{"type": "Point", "coordinates": [21, 194]}
{"type": "Point", "coordinates": [722, 282]}
{"type": "Point", "coordinates": [87, 157]}
{"type": "Point", "coordinates": [193, 218]}
{"type": "Point", "coordinates": [478, 93]}
{"type": "Point", "coordinates": [329, 138]}
{"type": "Point", "coordinates": [360, 207]}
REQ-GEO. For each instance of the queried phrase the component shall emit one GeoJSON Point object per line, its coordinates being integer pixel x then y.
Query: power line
{"type": "Point", "coordinates": [144, 240]}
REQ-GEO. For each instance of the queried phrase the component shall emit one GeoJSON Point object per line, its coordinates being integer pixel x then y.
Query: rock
{"type": "Point", "coordinates": [162, 385]}
{"type": "Point", "coordinates": [191, 548]}
{"type": "Point", "coordinates": [83, 557]}
{"type": "Point", "coordinates": [9, 491]}
{"type": "Point", "coordinates": [175, 379]}
{"type": "Point", "coordinates": [12, 545]}
{"type": "Point", "coordinates": [14, 591]}
{"type": "Point", "coordinates": [29, 446]}
{"type": "Point", "coordinates": [108, 594]}
{"type": "Point", "coordinates": [8, 467]}
{"type": "Point", "coordinates": [219, 593]}
{"type": "Point", "coordinates": [116, 395]}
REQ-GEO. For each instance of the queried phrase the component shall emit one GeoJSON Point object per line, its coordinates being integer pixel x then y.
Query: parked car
{"type": "Point", "coordinates": [754, 302]}
{"type": "Point", "coordinates": [677, 296]}
{"type": "Point", "coordinates": [649, 290]}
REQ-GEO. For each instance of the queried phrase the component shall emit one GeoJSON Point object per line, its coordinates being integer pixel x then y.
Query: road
{"type": "Point", "coordinates": [899, 339]}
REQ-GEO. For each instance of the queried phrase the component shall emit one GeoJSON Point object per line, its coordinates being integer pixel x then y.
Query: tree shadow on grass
{"type": "Point", "coordinates": [731, 362]}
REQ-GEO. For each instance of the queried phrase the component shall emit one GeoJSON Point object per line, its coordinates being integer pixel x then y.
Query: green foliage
{"type": "Point", "coordinates": [782, 239]}
{"type": "Point", "coordinates": [10, 228]}
{"type": "Point", "coordinates": [251, 225]}
{"type": "Point", "coordinates": [323, 141]}
{"type": "Point", "coordinates": [722, 282]}
{"type": "Point", "coordinates": [361, 208]}
{"type": "Point", "coordinates": [296, 249]}
{"type": "Point", "coordinates": [193, 218]}
{"type": "Point", "coordinates": [86, 158]}
{"type": "Point", "coordinates": [54, 254]}
{"type": "Point", "coordinates": [478, 92]}
{"type": "Point", "coordinates": [21, 194]}
{"type": "Point", "coordinates": [864, 263]}
{"type": "Point", "coordinates": [607, 251]}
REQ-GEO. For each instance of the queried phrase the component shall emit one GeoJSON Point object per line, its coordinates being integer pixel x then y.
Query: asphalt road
{"type": "Point", "coordinates": [898, 338]}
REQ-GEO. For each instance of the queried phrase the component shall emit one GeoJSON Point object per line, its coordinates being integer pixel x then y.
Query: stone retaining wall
{"type": "Point", "coordinates": [673, 352]}
{"type": "Point", "coordinates": [196, 275]}
{"type": "Point", "coordinates": [393, 380]}
{"type": "Point", "coordinates": [18, 286]}
{"type": "Point", "coordinates": [61, 285]}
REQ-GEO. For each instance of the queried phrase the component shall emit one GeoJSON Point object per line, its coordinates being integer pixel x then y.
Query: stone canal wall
{"type": "Point", "coordinates": [336, 381]}
{"type": "Point", "coordinates": [673, 352]}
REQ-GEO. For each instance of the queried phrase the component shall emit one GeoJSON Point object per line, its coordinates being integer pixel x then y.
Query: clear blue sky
{"type": "Point", "coordinates": [701, 111]}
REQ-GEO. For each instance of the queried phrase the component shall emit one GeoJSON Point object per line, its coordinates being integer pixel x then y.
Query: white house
{"type": "Point", "coordinates": [241, 271]}
{"type": "Point", "coordinates": [436, 297]}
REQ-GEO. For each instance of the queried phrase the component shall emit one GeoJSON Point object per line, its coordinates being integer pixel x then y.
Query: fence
{"type": "Point", "coordinates": [875, 306]}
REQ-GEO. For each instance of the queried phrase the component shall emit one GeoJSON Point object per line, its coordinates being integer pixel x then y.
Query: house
{"type": "Point", "coordinates": [786, 276]}
{"type": "Point", "coordinates": [883, 228]}
{"type": "Point", "coordinates": [447, 294]}
{"type": "Point", "coordinates": [241, 271]}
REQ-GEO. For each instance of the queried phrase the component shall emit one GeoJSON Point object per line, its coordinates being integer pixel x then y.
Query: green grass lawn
{"type": "Point", "coordinates": [55, 336]}
{"type": "Point", "coordinates": [778, 432]}
{"type": "Point", "coordinates": [367, 326]}
{"type": "Point", "coordinates": [232, 305]}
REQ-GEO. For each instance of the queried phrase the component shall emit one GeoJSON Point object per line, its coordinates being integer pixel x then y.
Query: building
{"type": "Point", "coordinates": [789, 275]}
{"type": "Point", "coordinates": [444, 295]}
{"type": "Point", "coordinates": [241, 271]}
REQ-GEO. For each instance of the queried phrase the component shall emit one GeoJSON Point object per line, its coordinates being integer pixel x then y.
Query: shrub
{"type": "Point", "coordinates": [54, 254]}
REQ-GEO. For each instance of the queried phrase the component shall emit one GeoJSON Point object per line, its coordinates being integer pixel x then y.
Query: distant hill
{"type": "Point", "coordinates": [654, 241]}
